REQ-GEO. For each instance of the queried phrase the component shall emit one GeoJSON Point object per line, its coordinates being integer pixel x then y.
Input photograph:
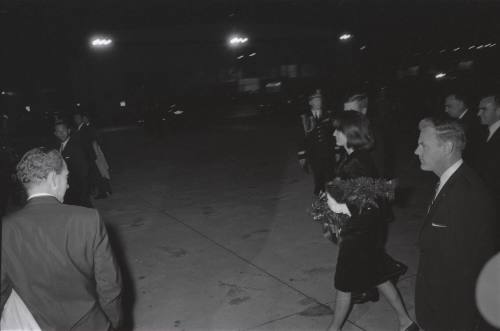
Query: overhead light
{"type": "Point", "coordinates": [456, 49]}
{"type": "Point", "coordinates": [240, 57]}
{"type": "Point", "coordinates": [101, 42]}
{"type": "Point", "coordinates": [363, 47]}
{"type": "Point", "coordinates": [237, 40]}
{"type": "Point", "coordinates": [442, 51]}
{"type": "Point", "coordinates": [252, 54]}
{"type": "Point", "coordinates": [78, 105]}
{"type": "Point", "coordinates": [123, 104]}
{"type": "Point", "coordinates": [345, 36]}
{"type": "Point", "coordinates": [480, 46]}
{"type": "Point", "coordinates": [472, 47]}
{"type": "Point", "coordinates": [28, 108]}
{"type": "Point", "coordinates": [440, 75]}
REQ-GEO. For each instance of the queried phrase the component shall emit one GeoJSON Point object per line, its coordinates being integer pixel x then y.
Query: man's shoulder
{"type": "Point", "coordinates": [469, 183]}
{"type": "Point", "coordinates": [495, 139]}
{"type": "Point", "coordinates": [34, 211]}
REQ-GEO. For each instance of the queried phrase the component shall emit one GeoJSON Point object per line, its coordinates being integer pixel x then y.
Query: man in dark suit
{"type": "Point", "coordinates": [73, 149]}
{"type": "Point", "coordinates": [319, 143]}
{"type": "Point", "coordinates": [488, 159]}
{"type": "Point", "coordinates": [456, 106]}
{"type": "Point", "coordinates": [359, 103]}
{"type": "Point", "coordinates": [456, 237]}
{"type": "Point", "coordinates": [57, 257]}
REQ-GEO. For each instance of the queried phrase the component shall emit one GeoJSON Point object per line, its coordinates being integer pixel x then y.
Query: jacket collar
{"type": "Point", "coordinates": [444, 192]}
{"type": "Point", "coordinates": [46, 199]}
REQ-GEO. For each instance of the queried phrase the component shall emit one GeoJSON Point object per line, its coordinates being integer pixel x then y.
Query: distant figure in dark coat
{"type": "Point", "coordinates": [76, 156]}
{"type": "Point", "coordinates": [457, 108]}
{"type": "Point", "coordinates": [487, 162]}
{"type": "Point", "coordinates": [57, 257]}
{"type": "Point", "coordinates": [318, 152]}
{"type": "Point", "coordinates": [457, 235]}
{"type": "Point", "coordinates": [359, 103]}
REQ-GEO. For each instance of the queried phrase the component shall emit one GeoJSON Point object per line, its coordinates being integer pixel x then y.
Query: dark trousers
{"type": "Point", "coordinates": [78, 192]}
{"type": "Point", "coordinates": [323, 170]}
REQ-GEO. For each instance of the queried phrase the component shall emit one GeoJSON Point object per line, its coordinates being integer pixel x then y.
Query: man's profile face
{"type": "Point", "coordinates": [315, 102]}
{"type": "Point", "coordinates": [430, 150]}
{"type": "Point", "coordinates": [453, 106]}
{"type": "Point", "coordinates": [61, 131]}
{"type": "Point", "coordinates": [489, 112]}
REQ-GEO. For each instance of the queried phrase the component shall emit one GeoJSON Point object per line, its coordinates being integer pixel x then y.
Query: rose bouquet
{"type": "Point", "coordinates": [360, 194]}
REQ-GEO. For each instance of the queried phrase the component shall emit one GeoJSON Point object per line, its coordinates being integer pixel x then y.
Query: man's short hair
{"type": "Point", "coordinates": [361, 98]}
{"type": "Point", "coordinates": [496, 98]}
{"type": "Point", "coordinates": [62, 122]}
{"type": "Point", "coordinates": [460, 97]}
{"type": "Point", "coordinates": [37, 163]}
{"type": "Point", "coordinates": [446, 130]}
{"type": "Point", "coordinates": [356, 128]}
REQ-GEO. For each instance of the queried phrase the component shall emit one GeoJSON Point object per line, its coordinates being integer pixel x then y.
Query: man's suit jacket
{"type": "Point", "coordinates": [76, 157]}
{"type": "Point", "coordinates": [78, 164]}
{"type": "Point", "coordinates": [487, 164]}
{"type": "Point", "coordinates": [58, 259]}
{"type": "Point", "coordinates": [475, 134]}
{"type": "Point", "coordinates": [456, 239]}
{"type": "Point", "coordinates": [84, 136]}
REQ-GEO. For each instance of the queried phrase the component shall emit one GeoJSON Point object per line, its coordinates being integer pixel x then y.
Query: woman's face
{"type": "Point", "coordinates": [340, 138]}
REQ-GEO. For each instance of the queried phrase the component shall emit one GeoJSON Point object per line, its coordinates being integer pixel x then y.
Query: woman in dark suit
{"type": "Point", "coordinates": [360, 261]}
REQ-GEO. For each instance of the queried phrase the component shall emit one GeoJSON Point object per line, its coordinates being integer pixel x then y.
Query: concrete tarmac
{"type": "Point", "coordinates": [211, 226]}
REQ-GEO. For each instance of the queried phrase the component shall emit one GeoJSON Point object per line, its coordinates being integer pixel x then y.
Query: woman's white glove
{"type": "Point", "coordinates": [339, 208]}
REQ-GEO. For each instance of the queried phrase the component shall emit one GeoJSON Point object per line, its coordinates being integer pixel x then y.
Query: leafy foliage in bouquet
{"type": "Point", "coordinates": [362, 193]}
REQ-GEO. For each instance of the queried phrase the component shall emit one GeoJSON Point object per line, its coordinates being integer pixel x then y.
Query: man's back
{"type": "Point", "coordinates": [58, 259]}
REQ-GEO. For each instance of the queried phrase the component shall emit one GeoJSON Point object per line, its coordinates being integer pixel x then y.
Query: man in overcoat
{"type": "Point", "coordinates": [456, 238]}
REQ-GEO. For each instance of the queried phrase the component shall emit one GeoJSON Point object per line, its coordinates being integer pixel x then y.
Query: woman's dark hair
{"type": "Point", "coordinates": [356, 128]}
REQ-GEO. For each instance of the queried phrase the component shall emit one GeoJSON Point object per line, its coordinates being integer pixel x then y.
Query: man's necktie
{"type": "Point", "coordinates": [434, 197]}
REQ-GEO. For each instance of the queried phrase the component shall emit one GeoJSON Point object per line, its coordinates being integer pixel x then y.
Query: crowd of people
{"type": "Point", "coordinates": [459, 232]}
{"type": "Point", "coordinates": [58, 237]}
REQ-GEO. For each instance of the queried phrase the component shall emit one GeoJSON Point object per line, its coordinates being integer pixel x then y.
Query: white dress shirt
{"type": "Point", "coordinates": [463, 114]}
{"type": "Point", "coordinates": [36, 195]}
{"type": "Point", "coordinates": [63, 145]}
{"type": "Point", "coordinates": [447, 174]}
{"type": "Point", "coordinates": [492, 129]}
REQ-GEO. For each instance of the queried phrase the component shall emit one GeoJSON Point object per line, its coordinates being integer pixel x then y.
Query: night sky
{"type": "Point", "coordinates": [46, 43]}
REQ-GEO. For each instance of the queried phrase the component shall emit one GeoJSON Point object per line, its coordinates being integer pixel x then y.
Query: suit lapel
{"type": "Point", "coordinates": [442, 194]}
{"type": "Point", "coordinates": [493, 139]}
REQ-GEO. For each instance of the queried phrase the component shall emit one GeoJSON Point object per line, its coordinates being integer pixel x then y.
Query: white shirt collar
{"type": "Point", "coordinates": [493, 128]}
{"type": "Point", "coordinates": [463, 114]}
{"type": "Point", "coordinates": [36, 195]}
{"type": "Point", "coordinates": [448, 173]}
{"type": "Point", "coordinates": [63, 144]}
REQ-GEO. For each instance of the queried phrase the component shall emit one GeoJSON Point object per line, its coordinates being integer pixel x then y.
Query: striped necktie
{"type": "Point", "coordinates": [435, 196]}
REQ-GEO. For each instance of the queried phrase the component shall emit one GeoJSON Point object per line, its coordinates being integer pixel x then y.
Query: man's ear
{"type": "Point", "coordinates": [51, 179]}
{"type": "Point", "coordinates": [449, 147]}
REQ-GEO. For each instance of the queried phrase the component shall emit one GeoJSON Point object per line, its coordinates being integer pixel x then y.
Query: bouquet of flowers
{"type": "Point", "coordinates": [361, 193]}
